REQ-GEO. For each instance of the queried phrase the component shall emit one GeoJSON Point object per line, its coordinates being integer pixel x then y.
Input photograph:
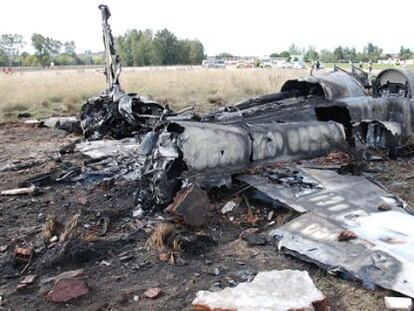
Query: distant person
{"type": "Point", "coordinates": [351, 66]}
{"type": "Point", "coordinates": [318, 64]}
{"type": "Point", "coordinates": [370, 66]}
{"type": "Point", "coordinates": [361, 65]}
{"type": "Point", "coordinates": [312, 67]}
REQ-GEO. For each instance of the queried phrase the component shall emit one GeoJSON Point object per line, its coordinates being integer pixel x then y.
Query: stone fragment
{"type": "Point", "coordinates": [398, 303]}
{"type": "Point", "coordinates": [65, 290]}
{"type": "Point", "coordinates": [191, 204]}
{"type": "Point", "coordinates": [228, 207]}
{"type": "Point", "coordinates": [152, 293]}
{"type": "Point", "coordinates": [347, 235]}
{"type": "Point", "coordinates": [270, 290]}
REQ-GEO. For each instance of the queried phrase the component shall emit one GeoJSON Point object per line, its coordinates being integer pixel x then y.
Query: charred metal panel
{"type": "Point", "coordinates": [382, 252]}
{"type": "Point", "coordinates": [354, 110]}
{"type": "Point", "coordinates": [379, 134]}
{"type": "Point", "coordinates": [296, 140]}
{"type": "Point", "coordinates": [103, 149]}
{"type": "Point", "coordinates": [331, 194]}
{"type": "Point", "coordinates": [211, 146]}
{"type": "Point", "coordinates": [330, 86]}
{"type": "Point", "coordinates": [380, 256]}
{"type": "Point", "coordinates": [285, 110]}
{"type": "Point", "coordinates": [398, 110]}
{"type": "Point", "coordinates": [206, 145]}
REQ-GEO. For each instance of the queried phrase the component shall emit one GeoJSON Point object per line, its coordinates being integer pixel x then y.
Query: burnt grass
{"type": "Point", "coordinates": [122, 264]}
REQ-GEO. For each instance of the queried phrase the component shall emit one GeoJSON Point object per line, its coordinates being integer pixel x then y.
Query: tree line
{"type": "Point", "coordinates": [136, 48]}
{"type": "Point", "coordinates": [47, 51]}
{"type": "Point", "coordinates": [143, 48]}
{"type": "Point", "coordinates": [342, 54]}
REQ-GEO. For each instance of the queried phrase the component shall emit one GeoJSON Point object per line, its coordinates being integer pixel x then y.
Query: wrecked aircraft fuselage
{"type": "Point", "coordinates": [174, 155]}
{"type": "Point", "coordinates": [309, 118]}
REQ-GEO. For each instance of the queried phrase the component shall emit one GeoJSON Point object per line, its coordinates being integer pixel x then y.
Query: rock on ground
{"type": "Point", "coordinates": [270, 290]}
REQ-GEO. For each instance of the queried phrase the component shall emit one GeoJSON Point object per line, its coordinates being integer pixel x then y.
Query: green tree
{"type": "Point", "coordinates": [294, 49]}
{"type": "Point", "coordinates": [196, 52]}
{"type": "Point", "coordinates": [65, 59]}
{"type": "Point", "coordinates": [286, 55]}
{"type": "Point", "coordinates": [29, 60]}
{"type": "Point", "coordinates": [144, 54]}
{"type": "Point", "coordinates": [69, 56]}
{"type": "Point", "coordinates": [338, 54]}
{"type": "Point", "coordinates": [372, 52]}
{"type": "Point", "coordinates": [350, 54]}
{"type": "Point", "coordinates": [69, 48]}
{"type": "Point", "coordinates": [224, 55]}
{"type": "Point", "coordinates": [311, 54]}
{"type": "Point", "coordinates": [142, 48]}
{"type": "Point", "coordinates": [45, 48]}
{"type": "Point", "coordinates": [165, 43]}
{"type": "Point", "coordinates": [183, 52]}
{"type": "Point", "coordinates": [326, 56]}
{"type": "Point", "coordinates": [128, 47]}
{"type": "Point", "coordinates": [11, 44]}
{"type": "Point", "coordinates": [4, 60]}
{"type": "Point", "coordinates": [190, 52]}
{"type": "Point", "coordinates": [405, 53]}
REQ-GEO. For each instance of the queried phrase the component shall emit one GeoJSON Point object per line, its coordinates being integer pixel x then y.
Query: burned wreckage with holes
{"type": "Point", "coordinates": [176, 155]}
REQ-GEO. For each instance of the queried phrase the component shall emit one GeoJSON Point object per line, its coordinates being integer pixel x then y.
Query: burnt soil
{"type": "Point", "coordinates": [122, 268]}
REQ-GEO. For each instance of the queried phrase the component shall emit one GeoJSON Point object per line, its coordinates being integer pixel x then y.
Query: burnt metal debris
{"type": "Point", "coordinates": [310, 117]}
{"type": "Point", "coordinates": [114, 112]}
{"type": "Point", "coordinates": [176, 158]}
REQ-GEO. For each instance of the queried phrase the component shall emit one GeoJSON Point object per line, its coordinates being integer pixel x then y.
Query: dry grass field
{"type": "Point", "coordinates": [62, 92]}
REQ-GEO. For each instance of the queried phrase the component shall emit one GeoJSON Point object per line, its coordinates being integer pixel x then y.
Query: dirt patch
{"type": "Point", "coordinates": [117, 261]}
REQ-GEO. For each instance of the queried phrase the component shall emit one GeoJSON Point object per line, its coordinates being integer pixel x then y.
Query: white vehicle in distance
{"type": "Point", "coordinates": [207, 63]}
{"type": "Point", "coordinates": [213, 63]}
{"type": "Point", "coordinates": [283, 64]}
{"type": "Point", "coordinates": [265, 62]}
{"type": "Point", "coordinates": [245, 64]}
{"type": "Point", "coordinates": [299, 64]}
{"type": "Point", "coordinates": [220, 64]}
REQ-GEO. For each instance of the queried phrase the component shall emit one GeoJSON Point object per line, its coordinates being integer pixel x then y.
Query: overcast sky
{"type": "Point", "coordinates": [249, 27]}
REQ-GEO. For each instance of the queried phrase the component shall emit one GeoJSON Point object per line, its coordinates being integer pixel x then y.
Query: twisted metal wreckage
{"type": "Point", "coordinates": [174, 154]}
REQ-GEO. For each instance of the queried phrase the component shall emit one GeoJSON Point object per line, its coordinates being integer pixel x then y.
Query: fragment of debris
{"type": "Point", "coordinates": [67, 289]}
{"type": "Point", "coordinates": [69, 124]}
{"type": "Point", "coordinates": [347, 235]}
{"type": "Point", "coordinates": [17, 165]}
{"type": "Point", "coordinates": [23, 254]}
{"type": "Point", "coordinates": [191, 204]}
{"type": "Point", "coordinates": [64, 275]}
{"type": "Point", "coordinates": [174, 242]}
{"type": "Point", "coordinates": [342, 208]}
{"type": "Point", "coordinates": [398, 303]}
{"type": "Point", "coordinates": [270, 290]}
{"type": "Point", "coordinates": [152, 293]}
{"type": "Point", "coordinates": [26, 281]}
{"type": "Point", "coordinates": [19, 191]}
{"type": "Point", "coordinates": [228, 207]}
